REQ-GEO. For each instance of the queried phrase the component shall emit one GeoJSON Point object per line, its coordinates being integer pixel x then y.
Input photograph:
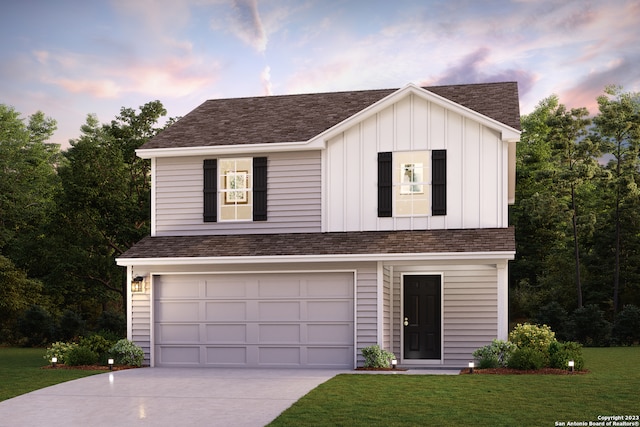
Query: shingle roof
{"type": "Point", "coordinates": [350, 243]}
{"type": "Point", "coordinates": [297, 118]}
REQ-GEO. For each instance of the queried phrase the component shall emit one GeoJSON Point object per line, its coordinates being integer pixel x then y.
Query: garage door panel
{"type": "Point", "coordinates": [226, 356]}
{"type": "Point", "coordinates": [226, 311]}
{"type": "Point", "coordinates": [279, 333]}
{"type": "Point", "coordinates": [254, 320]}
{"type": "Point", "coordinates": [226, 333]}
{"type": "Point", "coordinates": [336, 287]}
{"type": "Point", "coordinates": [180, 333]}
{"type": "Point", "coordinates": [180, 356]}
{"type": "Point", "coordinates": [329, 334]}
{"type": "Point", "coordinates": [322, 310]}
{"type": "Point", "coordinates": [174, 311]}
{"type": "Point", "coordinates": [287, 310]}
{"type": "Point", "coordinates": [226, 289]}
{"type": "Point", "coordinates": [274, 288]}
{"type": "Point", "coordinates": [279, 356]}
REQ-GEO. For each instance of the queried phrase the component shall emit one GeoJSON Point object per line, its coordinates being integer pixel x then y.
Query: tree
{"type": "Point", "coordinates": [617, 126]}
{"type": "Point", "coordinates": [28, 182]}
{"type": "Point", "coordinates": [574, 156]}
{"type": "Point", "coordinates": [17, 293]}
{"type": "Point", "coordinates": [105, 204]}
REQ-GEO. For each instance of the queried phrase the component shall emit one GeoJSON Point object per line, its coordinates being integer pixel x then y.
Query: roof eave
{"type": "Point", "coordinates": [384, 257]}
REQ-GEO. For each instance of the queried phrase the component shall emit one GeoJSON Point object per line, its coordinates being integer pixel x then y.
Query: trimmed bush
{"type": "Point", "coordinates": [528, 358]}
{"type": "Point", "coordinates": [561, 353]}
{"type": "Point", "coordinates": [532, 336]}
{"type": "Point", "coordinates": [590, 327]}
{"type": "Point", "coordinates": [626, 328]}
{"type": "Point", "coordinates": [98, 345]}
{"type": "Point", "coordinates": [494, 355]}
{"type": "Point", "coordinates": [79, 355]}
{"type": "Point", "coordinates": [125, 352]}
{"type": "Point", "coordinates": [375, 357]}
{"type": "Point", "coordinates": [60, 350]}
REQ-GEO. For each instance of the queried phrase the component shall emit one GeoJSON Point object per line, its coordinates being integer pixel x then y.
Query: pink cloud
{"type": "Point", "coordinates": [96, 88]}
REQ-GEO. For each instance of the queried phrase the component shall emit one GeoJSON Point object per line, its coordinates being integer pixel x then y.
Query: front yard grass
{"type": "Point", "coordinates": [611, 388]}
{"type": "Point", "coordinates": [21, 372]}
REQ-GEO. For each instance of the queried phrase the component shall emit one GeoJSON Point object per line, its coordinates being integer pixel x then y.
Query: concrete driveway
{"type": "Point", "coordinates": [165, 397]}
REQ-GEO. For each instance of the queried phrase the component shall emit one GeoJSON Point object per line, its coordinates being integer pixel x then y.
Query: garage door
{"type": "Point", "coordinates": [256, 320]}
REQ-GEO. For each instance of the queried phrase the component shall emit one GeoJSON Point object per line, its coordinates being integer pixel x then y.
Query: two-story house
{"type": "Point", "coordinates": [292, 231]}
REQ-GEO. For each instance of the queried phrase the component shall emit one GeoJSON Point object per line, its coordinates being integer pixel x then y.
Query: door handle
{"type": "Point", "coordinates": [406, 321]}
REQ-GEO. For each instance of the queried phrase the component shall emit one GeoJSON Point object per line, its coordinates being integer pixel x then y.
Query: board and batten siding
{"type": "Point", "coordinates": [293, 197]}
{"type": "Point", "coordinates": [470, 307]}
{"type": "Point", "coordinates": [477, 164]}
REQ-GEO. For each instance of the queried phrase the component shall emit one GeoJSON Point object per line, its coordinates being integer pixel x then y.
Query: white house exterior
{"type": "Point", "coordinates": [293, 231]}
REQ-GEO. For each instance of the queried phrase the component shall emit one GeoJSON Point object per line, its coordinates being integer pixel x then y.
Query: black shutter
{"type": "Point", "coordinates": [439, 182]}
{"type": "Point", "coordinates": [260, 189]}
{"type": "Point", "coordinates": [385, 185]}
{"type": "Point", "coordinates": [210, 190]}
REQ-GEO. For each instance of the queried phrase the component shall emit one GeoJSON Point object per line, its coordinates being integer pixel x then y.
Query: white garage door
{"type": "Point", "coordinates": [254, 320]}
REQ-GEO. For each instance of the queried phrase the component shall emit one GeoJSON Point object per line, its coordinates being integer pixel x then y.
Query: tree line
{"type": "Point", "coordinates": [66, 215]}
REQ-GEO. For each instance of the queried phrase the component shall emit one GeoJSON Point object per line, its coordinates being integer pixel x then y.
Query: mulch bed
{"type": "Point", "coordinates": [89, 367]}
{"type": "Point", "coordinates": [380, 369]}
{"type": "Point", "coordinates": [507, 371]}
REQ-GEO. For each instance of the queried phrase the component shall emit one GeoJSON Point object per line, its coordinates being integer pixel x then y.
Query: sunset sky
{"type": "Point", "coordinates": [69, 58]}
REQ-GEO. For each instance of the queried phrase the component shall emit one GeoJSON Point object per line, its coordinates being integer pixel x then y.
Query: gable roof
{"type": "Point", "coordinates": [296, 118]}
{"type": "Point", "coordinates": [370, 244]}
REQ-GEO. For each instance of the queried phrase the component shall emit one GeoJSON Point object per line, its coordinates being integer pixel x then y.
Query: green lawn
{"type": "Point", "coordinates": [611, 388]}
{"type": "Point", "coordinates": [21, 372]}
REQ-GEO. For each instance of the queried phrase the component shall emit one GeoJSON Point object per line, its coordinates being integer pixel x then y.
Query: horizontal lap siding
{"type": "Point", "coordinates": [141, 323]}
{"type": "Point", "coordinates": [470, 312]}
{"type": "Point", "coordinates": [470, 318]}
{"type": "Point", "coordinates": [366, 309]}
{"type": "Point", "coordinates": [293, 197]}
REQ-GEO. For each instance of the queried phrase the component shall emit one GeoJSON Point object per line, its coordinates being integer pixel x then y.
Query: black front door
{"type": "Point", "coordinates": [422, 313]}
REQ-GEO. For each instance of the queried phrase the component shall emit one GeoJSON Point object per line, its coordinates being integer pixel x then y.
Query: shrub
{"type": "Point", "coordinates": [80, 355]}
{"type": "Point", "coordinates": [494, 355]}
{"type": "Point", "coordinates": [99, 345]}
{"type": "Point", "coordinates": [375, 357]}
{"type": "Point", "coordinates": [626, 328]}
{"type": "Point", "coordinates": [71, 325]}
{"type": "Point", "coordinates": [125, 352]}
{"type": "Point", "coordinates": [561, 353]}
{"type": "Point", "coordinates": [590, 327]}
{"type": "Point", "coordinates": [60, 350]}
{"type": "Point", "coordinates": [532, 336]}
{"type": "Point", "coordinates": [528, 358]}
{"type": "Point", "coordinates": [36, 325]}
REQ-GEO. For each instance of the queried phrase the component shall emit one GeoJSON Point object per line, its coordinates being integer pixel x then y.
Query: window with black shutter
{"type": "Point", "coordinates": [439, 182]}
{"type": "Point", "coordinates": [260, 189]}
{"type": "Point", "coordinates": [210, 190]}
{"type": "Point", "coordinates": [385, 184]}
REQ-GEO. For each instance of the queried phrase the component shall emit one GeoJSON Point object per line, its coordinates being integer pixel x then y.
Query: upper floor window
{"type": "Point", "coordinates": [411, 186]}
{"type": "Point", "coordinates": [235, 189]}
{"type": "Point", "coordinates": [236, 195]}
{"type": "Point", "coordinates": [412, 183]}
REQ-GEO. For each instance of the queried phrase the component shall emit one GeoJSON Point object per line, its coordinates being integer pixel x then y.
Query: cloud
{"type": "Point", "coordinates": [247, 25]}
{"type": "Point", "coordinates": [477, 68]}
{"type": "Point", "coordinates": [96, 88]}
{"type": "Point", "coordinates": [265, 77]}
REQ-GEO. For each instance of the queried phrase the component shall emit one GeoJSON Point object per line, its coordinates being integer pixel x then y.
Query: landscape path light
{"type": "Point", "coordinates": [54, 361]}
{"type": "Point", "coordinates": [571, 365]}
{"type": "Point", "coordinates": [471, 366]}
{"type": "Point", "coordinates": [394, 363]}
{"type": "Point", "coordinates": [110, 362]}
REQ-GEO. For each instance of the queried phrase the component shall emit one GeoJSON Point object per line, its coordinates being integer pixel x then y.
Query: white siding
{"type": "Point", "coordinates": [141, 323]}
{"type": "Point", "coordinates": [293, 193]}
{"type": "Point", "coordinates": [476, 171]}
